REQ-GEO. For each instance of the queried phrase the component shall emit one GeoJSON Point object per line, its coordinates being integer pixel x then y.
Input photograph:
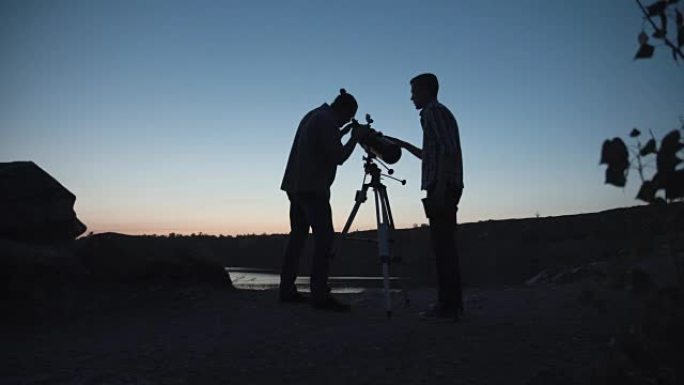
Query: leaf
{"type": "Point", "coordinates": [656, 8]}
{"type": "Point", "coordinates": [605, 149]}
{"type": "Point", "coordinates": [614, 154]}
{"type": "Point", "coordinates": [635, 132]}
{"type": "Point", "coordinates": [680, 37]}
{"type": "Point", "coordinates": [663, 23]}
{"type": "Point", "coordinates": [667, 161]}
{"type": "Point", "coordinates": [644, 52]}
{"type": "Point", "coordinates": [643, 38]}
{"type": "Point", "coordinates": [671, 142]}
{"type": "Point", "coordinates": [659, 33]}
{"type": "Point", "coordinates": [615, 177]}
{"type": "Point", "coordinates": [647, 192]}
{"type": "Point", "coordinates": [680, 18]}
{"type": "Point", "coordinates": [649, 148]}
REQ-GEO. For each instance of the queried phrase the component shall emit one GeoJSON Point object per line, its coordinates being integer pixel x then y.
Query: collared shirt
{"type": "Point", "coordinates": [315, 154]}
{"type": "Point", "coordinates": [441, 147]}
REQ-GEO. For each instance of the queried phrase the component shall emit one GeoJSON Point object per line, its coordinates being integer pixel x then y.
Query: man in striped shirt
{"type": "Point", "coordinates": [442, 178]}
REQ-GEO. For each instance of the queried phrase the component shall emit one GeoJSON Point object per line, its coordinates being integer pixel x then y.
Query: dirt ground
{"type": "Point", "coordinates": [204, 335]}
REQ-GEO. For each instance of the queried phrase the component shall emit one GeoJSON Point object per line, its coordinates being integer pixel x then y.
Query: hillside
{"type": "Point", "coordinates": [497, 252]}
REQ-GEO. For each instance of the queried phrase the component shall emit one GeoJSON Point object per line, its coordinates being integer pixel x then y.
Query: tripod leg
{"type": "Point", "coordinates": [384, 245]}
{"type": "Point", "coordinates": [360, 198]}
{"type": "Point", "coordinates": [389, 209]}
{"type": "Point", "coordinates": [390, 221]}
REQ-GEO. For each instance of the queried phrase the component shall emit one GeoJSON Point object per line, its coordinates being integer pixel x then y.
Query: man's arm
{"type": "Point", "coordinates": [417, 152]}
{"type": "Point", "coordinates": [330, 145]}
{"type": "Point", "coordinates": [359, 132]}
{"type": "Point", "coordinates": [346, 129]}
{"type": "Point", "coordinates": [347, 150]}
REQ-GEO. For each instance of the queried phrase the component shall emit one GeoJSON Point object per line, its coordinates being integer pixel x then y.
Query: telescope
{"type": "Point", "coordinates": [375, 143]}
{"type": "Point", "coordinates": [379, 149]}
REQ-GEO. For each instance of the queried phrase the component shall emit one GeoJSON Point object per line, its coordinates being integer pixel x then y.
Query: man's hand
{"type": "Point", "coordinates": [347, 128]}
{"type": "Point", "coordinates": [441, 199]}
{"type": "Point", "coordinates": [415, 151]}
{"type": "Point", "coordinates": [359, 132]}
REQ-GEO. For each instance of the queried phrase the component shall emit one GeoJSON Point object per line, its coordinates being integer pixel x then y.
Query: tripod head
{"type": "Point", "coordinates": [370, 167]}
{"type": "Point", "coordinates": [379, 150]}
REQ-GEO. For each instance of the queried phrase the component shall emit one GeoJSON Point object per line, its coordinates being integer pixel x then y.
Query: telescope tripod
{"type": "Point", "coordinates": [383, 217]}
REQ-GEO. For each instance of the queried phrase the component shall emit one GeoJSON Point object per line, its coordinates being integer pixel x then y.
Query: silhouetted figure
{"type": "Point", "coordinates": [316, 152]}
{"type": "Point", "coordinates": [442, 178]}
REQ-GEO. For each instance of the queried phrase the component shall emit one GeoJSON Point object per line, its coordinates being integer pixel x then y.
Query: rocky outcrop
{"type": "Point", "coordinates": [37, 272]}
{"type": "Point", "coordinates": [30, 271]}
{"type": "Point", "coordinates": [119, 258]}
{"type": "Point", "coordinates": [35, 207]}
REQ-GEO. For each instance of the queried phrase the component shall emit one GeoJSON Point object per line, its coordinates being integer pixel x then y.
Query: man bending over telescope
{"type": "Point", "coordinates": [316, 152]}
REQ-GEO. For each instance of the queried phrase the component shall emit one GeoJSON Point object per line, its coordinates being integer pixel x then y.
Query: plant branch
{"type": "Point", "coordinates": [641, 167]}
{"type": "Point", "coordinates": [675, 49]}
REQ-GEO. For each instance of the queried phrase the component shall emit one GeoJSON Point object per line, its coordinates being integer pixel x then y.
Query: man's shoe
{"type": "Point", "coordinates": [439, 313]}
{"type": "Point", "coordinates": [294, 298]}
{"type": "Point", "coordinates": [331, 304]}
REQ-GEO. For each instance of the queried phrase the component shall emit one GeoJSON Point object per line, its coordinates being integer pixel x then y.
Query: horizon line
{"type": "Point", "coordinates": [421, 225]}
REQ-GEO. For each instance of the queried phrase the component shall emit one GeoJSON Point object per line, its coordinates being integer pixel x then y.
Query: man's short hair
{"type": "Point", "coordinates": [345, 102]}
{"type": "Point", "coordinates": [427, 82]}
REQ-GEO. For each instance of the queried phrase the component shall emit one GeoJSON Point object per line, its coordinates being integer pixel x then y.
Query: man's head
{"type": "Point", "coordinates": [424, 88]}
{"type": "Point", "coordinates": [345, 106]}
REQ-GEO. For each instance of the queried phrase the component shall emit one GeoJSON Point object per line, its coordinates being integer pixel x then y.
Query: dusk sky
{"type": "Point", "coordinates": [178, 116]}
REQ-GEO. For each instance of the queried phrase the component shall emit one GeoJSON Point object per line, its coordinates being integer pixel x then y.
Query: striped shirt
{"type": "Point", "coordinates": [441, 147]}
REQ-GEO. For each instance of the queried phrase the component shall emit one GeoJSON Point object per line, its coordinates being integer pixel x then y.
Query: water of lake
{"type": "Point", "coordinates": [262, 279]}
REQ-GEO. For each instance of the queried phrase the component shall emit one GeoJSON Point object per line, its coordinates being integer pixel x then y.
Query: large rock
{"type": "Point", "coordinates": [30, 271]}
{"type": "Point", "coordinates": [34, 207]}
{"type": "Point", "coordinates": [120, 258]}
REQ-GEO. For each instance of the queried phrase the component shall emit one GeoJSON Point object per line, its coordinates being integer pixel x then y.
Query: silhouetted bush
{"type": "Point", "coordinates": [667, 177]}
{"type": "Point", "coordinates": [666, 22]}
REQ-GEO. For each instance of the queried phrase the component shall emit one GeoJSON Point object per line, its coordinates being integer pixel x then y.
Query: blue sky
{"type": "Point", "coordinates": [178, 116]}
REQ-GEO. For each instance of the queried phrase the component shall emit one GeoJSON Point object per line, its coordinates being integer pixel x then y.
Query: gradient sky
{"type": "Point", "coordinates": [178, 116]}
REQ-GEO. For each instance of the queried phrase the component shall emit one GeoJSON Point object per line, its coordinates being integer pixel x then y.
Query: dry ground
{"type": "Point", "coordinates": [203, 335]}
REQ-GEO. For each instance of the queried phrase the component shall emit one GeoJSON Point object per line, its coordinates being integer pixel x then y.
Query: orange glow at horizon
{"type": "Point", "coordinates": [364, 221]}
